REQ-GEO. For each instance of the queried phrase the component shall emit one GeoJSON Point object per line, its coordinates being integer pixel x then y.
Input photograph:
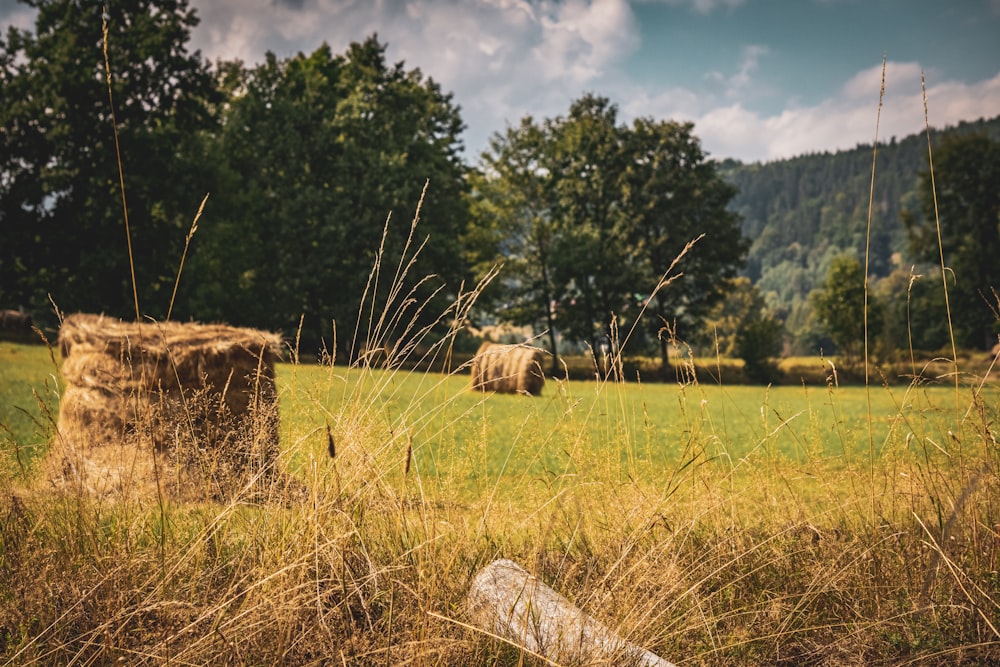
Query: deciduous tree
{"type": "Point", "coordinates": [317, 150]}
{"type": "Point", "coordinates": [60, 207]}
{"type": "Point", "coordinates": [511, 204]}
{"type": "Point", "coordinates": [840, 306]}
{"type": "Point", "coordinates": [597, 212]}
{"type": "Point", "coordinates": [967, 181]}
{"type": "Point", "coordinates": [674, 195]}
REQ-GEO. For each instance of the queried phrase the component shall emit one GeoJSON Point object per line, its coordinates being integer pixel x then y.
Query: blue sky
{"type": "Point", "coordinates": [761, 79]}
{"type": "Point", "coordinates": [803, 49]}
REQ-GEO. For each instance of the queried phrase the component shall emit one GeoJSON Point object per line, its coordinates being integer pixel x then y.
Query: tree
{"type": "Point", "coordinates": [511, 204]}
{"type": "Point", "coordinates": [818, 203]}
{"type": "Point", "coordinates": [60, 207]}
{"type": "Point", "coordinates": [741, 325]}
{"type": "Point", "coordinates": [317, 149]}
{"type": "Point", "coordinates": [596, 212]}
{"type": "Point", "coordinates": [914, 312]}
{"type": "Point", "coordinates": [758, 340]}
{"type": "Point", "coordinates": [674, 195]}
{"type": "Point", "coordinates": [551, 192]}
{"type": "Point", "coordinates": [598, 269]}
{"type": "Point", "coordinates": [967, 180]}
{"type": "Point", "coordinates": [840, 306]}
{"type": "Point", "coordinates": [721, 325]}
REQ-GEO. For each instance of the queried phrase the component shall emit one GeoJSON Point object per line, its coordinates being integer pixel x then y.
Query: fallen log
{"type": "Point", "coordinates": [505, 600]}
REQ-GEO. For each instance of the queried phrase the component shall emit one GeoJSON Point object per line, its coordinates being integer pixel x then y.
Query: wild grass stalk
{"type": "Point", "coordinates": [729, 528]}
{"type": "Point", "coordinates": [868, 235]}
{"type": "Point", "coordinates": [937, 227]}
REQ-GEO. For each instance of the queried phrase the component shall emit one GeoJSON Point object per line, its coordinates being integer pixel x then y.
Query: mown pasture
{"type": "Point", "coordinates": [722, 525]}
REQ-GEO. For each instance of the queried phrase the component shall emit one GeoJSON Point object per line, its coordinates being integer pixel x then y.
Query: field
{"type": "Point", "coordinates": [717, 525]}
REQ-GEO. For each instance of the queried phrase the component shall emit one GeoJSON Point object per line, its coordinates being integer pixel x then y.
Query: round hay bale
{"type": "Point", "coordinates": [192, 403]}
{"type": "Point", "coordinates": [508, 369]}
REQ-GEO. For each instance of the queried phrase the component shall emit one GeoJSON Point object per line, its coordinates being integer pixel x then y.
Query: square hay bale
{"type": "Point", "coordinates": [508, 369]}
{"type": "Point", "coordinates": [189, 409]}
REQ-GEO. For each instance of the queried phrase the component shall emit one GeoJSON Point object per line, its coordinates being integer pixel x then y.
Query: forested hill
{"type": "Point", "coordinates": [801, 212]}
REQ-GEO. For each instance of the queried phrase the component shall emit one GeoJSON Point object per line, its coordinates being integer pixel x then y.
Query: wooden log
{"type": "Point", "coordinates": [505, 600]}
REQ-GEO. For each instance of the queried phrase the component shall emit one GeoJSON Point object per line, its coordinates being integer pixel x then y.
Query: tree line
{"type": "Point", "coordinates": [807, 213]}
{"type": "Point", "coordinates": [305, 157]}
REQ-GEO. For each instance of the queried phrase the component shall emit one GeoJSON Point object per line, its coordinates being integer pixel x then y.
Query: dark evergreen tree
{"type": "Point", "coordinates": [804, 211]}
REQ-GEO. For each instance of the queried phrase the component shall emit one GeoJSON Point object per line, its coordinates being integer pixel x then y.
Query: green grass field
{"type": "Point", "coordinates": [716, 525]}
{"type": "Point", "coordinates": [636, 430]}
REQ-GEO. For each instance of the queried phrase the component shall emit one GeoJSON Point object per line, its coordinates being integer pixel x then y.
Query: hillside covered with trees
{"type": "Point", "coordinates": [803, 212]}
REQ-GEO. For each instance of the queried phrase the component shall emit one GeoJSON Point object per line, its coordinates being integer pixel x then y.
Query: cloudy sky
{"type": "Point", "coordinates": [761, 79]}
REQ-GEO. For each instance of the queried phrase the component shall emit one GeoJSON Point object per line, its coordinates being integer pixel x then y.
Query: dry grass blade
{"type": "Point", "coordinates": [937, 227]}
{"type": "Point", "coordinates": [187, 244]}
{"type": "Point", "coordinates": [118, 155]}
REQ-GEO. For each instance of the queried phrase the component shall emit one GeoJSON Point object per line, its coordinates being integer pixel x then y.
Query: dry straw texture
{"type": "Point", "coordinates": [187, 407]}
{"type": "Point", "coordinates": [509, 369]}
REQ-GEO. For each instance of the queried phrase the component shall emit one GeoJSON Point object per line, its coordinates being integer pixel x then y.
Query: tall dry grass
{"type": "Point", "coordinates": [754, 560]}
{"type": "Point", "coordinates": [715, 559]}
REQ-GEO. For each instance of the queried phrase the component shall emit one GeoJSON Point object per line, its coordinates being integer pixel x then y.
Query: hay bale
{"type": "Point", "coordinates": [187, 407]}
{"type": "Point", "coordinates": [509, 369]}
{"type": "Point", "coordinates": [15, 325]}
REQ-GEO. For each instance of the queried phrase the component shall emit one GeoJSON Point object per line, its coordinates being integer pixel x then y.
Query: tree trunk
{"type": "Point", "coordinates": [555, 351]}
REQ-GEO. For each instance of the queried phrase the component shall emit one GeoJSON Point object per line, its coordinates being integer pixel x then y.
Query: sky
{"type": "Point", "coordinates": [760, 79]}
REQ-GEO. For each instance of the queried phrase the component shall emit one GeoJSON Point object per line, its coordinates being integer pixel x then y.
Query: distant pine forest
{"type": "Point", "coordinates": [802, 212]}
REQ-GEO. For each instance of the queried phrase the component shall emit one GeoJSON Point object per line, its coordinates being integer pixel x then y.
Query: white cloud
{"type": "Point", "coordinates": [737, 84]}
{"type": "Point", "coordinates": [501, 58]}
{"type": "Point", "coordinates": [897, 76]}
{"type": "Point", "coordinates": [706, 6]}
{"type": "Point", "coordinates": [16, 16]}
{"type": "Point", "coordinates": [849, 118]}
{"type": "Point", "coordinates": [504, 59]}
{"type": "Point", "coordinates": [730, 128]}
{"type": "Point", "coordinates": [581, 39]}
{"type": "Point", "coordinates": [677, 103]}
{"type": "Point", "coordinates": [748, 65]}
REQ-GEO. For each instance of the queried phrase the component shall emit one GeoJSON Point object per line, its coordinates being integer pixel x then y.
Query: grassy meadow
{"type": "Point", "coordinates": [711, 524]}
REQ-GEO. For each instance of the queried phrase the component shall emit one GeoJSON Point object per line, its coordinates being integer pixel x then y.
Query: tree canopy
{"type": "Point", "coordinates": [307, 156]}
{"type": "Point", "coordinates": [966, 179]}
{"type": "Point", "coordinates": [60, 207]}
{"type": "Point", "coordinates": [802, 212]}
{"type": "Point", "coordinates": [840, 306]}
{"type": "Point", "coordinates": [315, 151]}
{"type": "Point", "coordinates": [590, 213]}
